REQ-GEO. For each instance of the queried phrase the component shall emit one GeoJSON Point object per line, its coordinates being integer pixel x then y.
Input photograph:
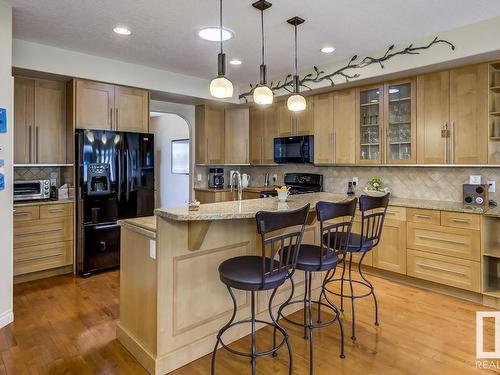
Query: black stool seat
{"type": "Point", "coordinates": [309, 259]}
{"type": "Point", "coordinates": [245, 273]}
{"type": "Point", "coordinates": [354, 243]}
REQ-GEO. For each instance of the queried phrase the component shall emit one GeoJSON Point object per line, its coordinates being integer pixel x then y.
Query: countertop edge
{"type": "Point", "coordinates": [42, 203]}
{"type": "Point", "coordinates": [141, 229]}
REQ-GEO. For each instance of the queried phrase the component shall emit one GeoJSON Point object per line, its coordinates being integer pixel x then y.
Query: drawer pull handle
{"type": "Point", "coordinates": [56, 210]}
{"type": "Point", "coordinates": [420, 216]}
{"type": "Point", "coordinates": [21, 213]}
{"type": "Point", "coordinates": [38, 258]}
{"type": "Point", "coordinates": [435, 268]}
{"type": "Point", "coordinates": [39, 232]}
{"type": "Point", "coordinates": [441, 240]}
{"type": "Point", "coordinates": [457, 220]}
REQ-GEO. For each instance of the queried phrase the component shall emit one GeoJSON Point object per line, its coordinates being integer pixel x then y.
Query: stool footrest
{"type": "Point", "coordinates": [365, 284]}
{"type": "Point", "coordinates": [335, 311]}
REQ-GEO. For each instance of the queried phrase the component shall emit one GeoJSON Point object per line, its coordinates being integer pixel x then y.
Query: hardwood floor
{"type": "Point", "coordinates": [66, 325]}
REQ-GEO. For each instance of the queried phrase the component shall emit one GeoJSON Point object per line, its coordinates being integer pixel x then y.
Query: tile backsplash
{"type": "Point", "coordinates": [64, 174]}
{"type": "Point", "coordinates": [433, 183]}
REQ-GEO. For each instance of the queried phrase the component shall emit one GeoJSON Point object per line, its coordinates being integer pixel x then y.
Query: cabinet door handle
{"type": "Point", "coordinates": [111, 118]}
{"type": "Point", "coordinates": [444, 134]}
{"type": "Point", "coordinates": [431, 238]}
{"type": "Point", "coordinates": [452, 143]}
{"type": "Point", "coordinates": [441, 269]}
{"type": "Point", "coordinates": [30, 144]}
{"type": "Point", "coordinates": [334, 140]}
{"type": "Point", "coordinates": [116, 119]}
{"type": "Point", "coordinates": [39, 232]}
{"type": "Point", "coordinates": [247, 154]}
{"type": "Point", "coordinates": [39, 258]}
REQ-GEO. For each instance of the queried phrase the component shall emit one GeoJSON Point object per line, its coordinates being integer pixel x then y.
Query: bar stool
{"type": "Point", "coordinates": [264, 272]}
{"type": "Point", "coordinates": [373, 210]}
{"type": "Point", "coordinates": [314, 258]}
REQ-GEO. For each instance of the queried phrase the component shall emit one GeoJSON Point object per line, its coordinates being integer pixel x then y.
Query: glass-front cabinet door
{"type": "Point", "coordinates": [370, 120]}
{"type": "Point", "coordinates": [400, 122]}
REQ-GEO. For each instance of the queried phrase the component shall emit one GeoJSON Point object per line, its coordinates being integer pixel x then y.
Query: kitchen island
{"type": "Point", "coordinates": [172, 302]}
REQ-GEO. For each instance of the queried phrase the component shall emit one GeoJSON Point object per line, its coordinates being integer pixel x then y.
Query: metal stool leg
{"type": "Point", "coordinates": [235, 307]}
{"type": "Point", "coordinates": [372, 290]}
{"type": "Point", "coordinates": [277, 326]}
{"type": "Point", "coordinates": [254, 346]}
{"type": "Point", "coordinates": [311, 327]}
{"type": "Point", "coordinates": [280, 309]}
{"type": "Point", "coordinates": [353, 337]}
{"type": "Point", "coordinates": [342, 287]}
{"type": "Point", "coordinates": [306, 289]}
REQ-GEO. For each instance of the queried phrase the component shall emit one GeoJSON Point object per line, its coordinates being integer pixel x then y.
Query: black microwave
{"type": "Point", "coordinates": [294, 149]}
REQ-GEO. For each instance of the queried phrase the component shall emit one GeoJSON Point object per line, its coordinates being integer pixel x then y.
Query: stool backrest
{"type": "Point", "coordinates": [284, 246]}
{"type": "Point", "coordinates": [373, 210]}
{"type": "Point", "coordinates": [335, 235]}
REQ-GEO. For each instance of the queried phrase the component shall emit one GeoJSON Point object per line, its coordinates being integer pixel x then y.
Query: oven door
{"type": "Point", "coordinates": [101, 248]}
{"type": "Point", "coordinates": [294, 149]}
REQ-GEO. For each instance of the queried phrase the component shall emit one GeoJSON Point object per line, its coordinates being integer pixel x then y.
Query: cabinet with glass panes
{"type": "Point", "coordinates": [401, 124]}
{"type": "Point", "coordinates": [370, 119]}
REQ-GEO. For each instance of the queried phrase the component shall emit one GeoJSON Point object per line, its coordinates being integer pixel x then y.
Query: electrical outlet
{"type": "Point", "coordinates": [491, 186]}
{"type": "Point", "coordinates": [275, 177]}
{"type": "Point", "coordinates": [355, 180]}
{"type": "Point", "coordinates": [475, 180]}
{"type": "Point", "coordinates": [198, 177]}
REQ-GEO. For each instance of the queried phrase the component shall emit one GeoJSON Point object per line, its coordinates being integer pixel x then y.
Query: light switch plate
{"type": "Point", "coordinates": [491, 186]}
{"type": "Point", "coordinates": [475, 180]}
{"type": "Point", "coordinates": [198, 177]}
{"type": "Point", "coordinates": [355, 180]}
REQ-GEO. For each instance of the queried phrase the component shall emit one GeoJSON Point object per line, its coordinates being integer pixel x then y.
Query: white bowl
{"type": "Point", "coordinates": [376, 193]}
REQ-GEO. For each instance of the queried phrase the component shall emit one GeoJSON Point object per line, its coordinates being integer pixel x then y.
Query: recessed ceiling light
{"type": "Point", "coordinates": [235, 62]}
{"type": "Point", "coordinates": [122, 30]}
{"type": "Point", "coordinates": [327, 49]}
{"type": "Point", "coordinates": [212, 34]}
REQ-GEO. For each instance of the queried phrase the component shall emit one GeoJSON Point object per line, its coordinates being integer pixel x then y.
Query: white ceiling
{"type": "Point", "coordinates": [165, 31]}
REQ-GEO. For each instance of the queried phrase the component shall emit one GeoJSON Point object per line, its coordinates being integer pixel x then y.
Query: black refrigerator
{"type": "Point", "coordinates": [115, 180]}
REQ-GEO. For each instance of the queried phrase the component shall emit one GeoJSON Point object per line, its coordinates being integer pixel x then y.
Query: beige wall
{"type": "Point", "coordinates": [6, 99]}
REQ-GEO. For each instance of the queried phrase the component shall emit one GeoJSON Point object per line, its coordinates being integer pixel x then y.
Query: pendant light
{"type": "Point", "coordinates": [296, 102]}
{"type": "Point", "coordinates": [221, 87]}
{"type": "Point", "coordinates": [262, 94]}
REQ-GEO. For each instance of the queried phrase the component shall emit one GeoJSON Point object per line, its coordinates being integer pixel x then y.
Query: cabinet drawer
{"type": "Point", "coordinates": [26, 213]}
{"type": "Point", "coordinates": [396, 213]}
{"type": "Point", "coordinates": [459, 273]}
{"type": "Point", "coordinates": [417, 215]}
{"type": "Point", "coordinates": [455, 242]}
{"type": "Point", "coordinates": [42, 257]}
{"type": "Point", "coordinates": [460, 220]}
{"type": "Point", "coordinates": [56, 210]}
{"type": "Point", "coordinates": [43, 231]}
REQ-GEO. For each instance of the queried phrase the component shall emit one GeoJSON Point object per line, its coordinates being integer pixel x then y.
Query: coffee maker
{"type": "Point", "coordinates": [216, 178]}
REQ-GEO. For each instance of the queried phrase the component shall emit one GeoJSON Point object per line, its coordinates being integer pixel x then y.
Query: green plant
{"type": "Point", "coordinates": [375, 183]}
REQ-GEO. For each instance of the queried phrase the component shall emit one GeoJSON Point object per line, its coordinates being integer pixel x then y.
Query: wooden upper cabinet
{"type": "Point", "coordinates": [257, 129]}
{"type": "Point", "coordinates": [102, 106]}
{"type": "Point", "coordinates": [50, 125]}
{"type": "Point", "coordinates": [285, 124]}
{"type": "Point", "coordinates": [469, 115]}
{"type": "Point", "coordinates": [24, 120]}
{"type": "Point", "coordinates": [344, 126]}
{"type": "Point", "coordinates": [369, 128]}
{"type": "Point", "coordinates": [433, 113]}
{"type": "Point", "coordinates": [236, 138]}
{"type": "Point", "coordinates": [131, 109]}
{"type": "Point", "coordinates": [94, 105]}
{"type": "Point", "coordinates": [209, 135]}
{"type": "Point", "coordinates": [323, 128]}
{"type": "Point", "coordinates": [304, 120]}
{"type": "Point", "coordinates": [400, 128]}
{"type": "Point", "coordinates": [264, 127]}
{"type": "Point", "coordinates": [39, 121]}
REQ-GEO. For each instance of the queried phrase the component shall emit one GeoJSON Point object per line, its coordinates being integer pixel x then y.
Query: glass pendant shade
{"type": "Point", "coordinates": [296, 103]}
{"type": "Point", "coordinates": [221, 88]}
{"type": "Point", "coordinates": [263, 95]}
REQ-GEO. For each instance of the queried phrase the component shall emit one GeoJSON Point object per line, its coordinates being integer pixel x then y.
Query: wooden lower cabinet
{"type": "Point", "coordinates": [390, 254]}
{"type": "Point", "coordinates": [213, 196]}
{"type": "Point", "coordinates": [455, 272]}
{"type": "Point", "coordinates": [43, 237]}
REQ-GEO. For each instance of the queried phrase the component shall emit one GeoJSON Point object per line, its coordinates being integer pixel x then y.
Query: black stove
{"type": "Point", "coordinates": [299, 183]}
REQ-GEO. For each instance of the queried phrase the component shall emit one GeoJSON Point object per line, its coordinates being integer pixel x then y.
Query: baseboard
{"type": "Point", "coordinates": [6, 318]}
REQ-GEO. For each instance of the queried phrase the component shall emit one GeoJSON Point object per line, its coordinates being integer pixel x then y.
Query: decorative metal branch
{"type": "Point", "coordinates": [319, 75]}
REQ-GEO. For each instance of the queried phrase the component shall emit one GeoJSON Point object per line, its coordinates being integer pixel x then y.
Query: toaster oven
{"type": "Point", "coordinates": [31, 190]}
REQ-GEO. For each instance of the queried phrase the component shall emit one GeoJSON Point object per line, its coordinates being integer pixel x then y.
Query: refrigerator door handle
{"type": "Point", "coordinates": [127, 177]}
{"type": "Point", "coordinates": [119, 187]}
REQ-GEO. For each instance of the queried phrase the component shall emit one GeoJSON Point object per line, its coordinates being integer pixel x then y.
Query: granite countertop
{"type": "Point", "coordinates": [248, 208]}
{"type": "Point", "coordinates": [143, 225]}
{"type": "Point", "coordinates": [42, 202]}
{"type": "Point", "coordinates": [248, 188]}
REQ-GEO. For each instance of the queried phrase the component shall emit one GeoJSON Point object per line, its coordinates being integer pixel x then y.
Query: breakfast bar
{"type": "Point", "coordinates": [172, 303]}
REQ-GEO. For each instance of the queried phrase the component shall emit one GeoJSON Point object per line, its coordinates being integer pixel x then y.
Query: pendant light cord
{"type": "Point", "coordinates": [296, 54]}
{"type": "Point", "coordinates": [262, 28]}
{"type": "Point", "coordinates": [220, 14]}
